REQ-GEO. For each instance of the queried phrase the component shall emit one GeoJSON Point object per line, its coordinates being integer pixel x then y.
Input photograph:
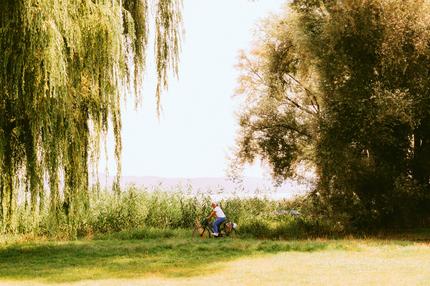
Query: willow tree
{"type": "Point", "coordinates": [64, 67]}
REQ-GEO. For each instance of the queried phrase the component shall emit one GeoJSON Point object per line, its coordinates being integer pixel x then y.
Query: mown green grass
{"type": "Point", "coordinates": [99, 259]}
{"type": "Point", "coordinates": [169, 253]}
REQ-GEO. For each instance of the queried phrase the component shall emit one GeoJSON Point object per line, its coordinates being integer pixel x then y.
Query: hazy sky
{"type": "Point", "coordinates": [197, 127]}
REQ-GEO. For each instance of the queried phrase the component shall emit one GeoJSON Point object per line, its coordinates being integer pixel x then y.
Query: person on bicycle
{"type": "Point", "coordinates": [219, 215]}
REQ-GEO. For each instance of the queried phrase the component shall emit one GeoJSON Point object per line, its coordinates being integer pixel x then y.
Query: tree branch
{"type": "Point", "coordinates": [293, 102]}
{"type": "Point", "coordinates": [282, 125]}
{"type": "Point", "coordinates": [299, 106]}
{"type": "Point", "coordinates": [314, 99]}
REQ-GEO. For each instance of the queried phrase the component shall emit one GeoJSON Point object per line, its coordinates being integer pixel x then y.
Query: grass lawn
{"type": "Point", "coordinates": [176, 259]}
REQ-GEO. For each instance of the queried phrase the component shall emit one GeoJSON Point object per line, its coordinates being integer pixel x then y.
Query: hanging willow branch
{"type": "Point", "coordinates": [64, 67]}
{"type": "Point", "coordinates": [167, 42]}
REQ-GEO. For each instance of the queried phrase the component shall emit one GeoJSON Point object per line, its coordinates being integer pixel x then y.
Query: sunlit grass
{"type": "Point", "coordinates": [50, 261]}
{"type": "Point", "coordinates": [174, 255]}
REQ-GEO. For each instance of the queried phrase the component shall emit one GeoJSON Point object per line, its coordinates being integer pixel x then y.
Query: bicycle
{"type": "Point", "coordinates": [204, 228]}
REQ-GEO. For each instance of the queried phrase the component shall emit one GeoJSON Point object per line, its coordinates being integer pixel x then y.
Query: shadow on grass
{"type": "Point", "coordinates": [54, 262]}
{"type": "Point", "coordinates": [165, 253]}
{"type": "Point", "coordinates": [406, 235]}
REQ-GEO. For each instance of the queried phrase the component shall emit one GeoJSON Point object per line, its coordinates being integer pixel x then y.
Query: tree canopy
{"type": "Point", "coordinates": [64, 67]}
{"type": "Point", "coordinates": [344, 86]}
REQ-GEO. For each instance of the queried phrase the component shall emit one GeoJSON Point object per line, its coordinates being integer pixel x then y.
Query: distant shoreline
{"type": "Point", "coordinates": [215, 187]}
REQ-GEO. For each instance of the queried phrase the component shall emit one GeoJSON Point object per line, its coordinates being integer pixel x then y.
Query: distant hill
{"type": "Point", "coordinates": [216, 187]}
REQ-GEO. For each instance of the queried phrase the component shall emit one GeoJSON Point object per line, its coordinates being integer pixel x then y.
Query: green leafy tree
{"type": "Point", "coordinates": [362, 70]}
{"type": "Point", "coordinates": [279, 115]}
{"type": "Point", "coordinates": [64, 67]}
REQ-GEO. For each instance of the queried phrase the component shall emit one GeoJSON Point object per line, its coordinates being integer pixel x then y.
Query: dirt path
{"type": "Point", "coordinates": [400, 265]}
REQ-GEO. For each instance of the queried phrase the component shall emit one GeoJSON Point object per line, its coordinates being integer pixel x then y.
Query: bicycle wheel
{"type": "Point", "coordinates": [202, 232]}
{"type": "Point", "coordinates": [206, 233]}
